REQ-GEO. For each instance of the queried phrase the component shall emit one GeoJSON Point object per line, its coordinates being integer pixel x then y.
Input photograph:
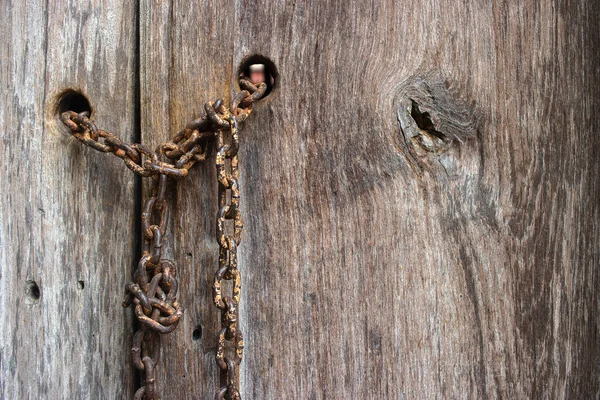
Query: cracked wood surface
{"type": "Point", "coordinates": [420, 197]}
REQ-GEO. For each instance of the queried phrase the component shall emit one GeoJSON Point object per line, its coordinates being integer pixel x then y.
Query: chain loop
{"type": "Point", "coordinates": [153, 290]}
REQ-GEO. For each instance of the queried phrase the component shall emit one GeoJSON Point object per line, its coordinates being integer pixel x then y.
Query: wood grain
{"type": "Point", "coordinates": [186, 60]}
{"type": "Point", "coordinates": [420, 197]}
{"type": "Point", "coordinates": [66, 212]}
{"type": "Point", "coordinates": [476, 277]}
{"type": "Point", "coordinates": [383, 258]}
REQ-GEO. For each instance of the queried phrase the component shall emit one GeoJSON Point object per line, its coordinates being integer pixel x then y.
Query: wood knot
{"type": "Point", "coordinates": [437, 128]}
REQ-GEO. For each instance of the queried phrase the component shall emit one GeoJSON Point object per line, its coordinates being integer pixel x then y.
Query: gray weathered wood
{"type": "Point", "coordinates": [374, 268]}
{"type": "Point", "coordinates": [420, 196]}
{"type": "Point", "coordinates": [380, 260]}
{"type": "Point", "coordinates": [185, 60]}
{"type": "Point", "coordinates": [66, 212]}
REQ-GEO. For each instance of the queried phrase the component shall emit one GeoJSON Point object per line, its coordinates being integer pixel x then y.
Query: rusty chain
{"type": "Point", "coordinates": [153, 290]}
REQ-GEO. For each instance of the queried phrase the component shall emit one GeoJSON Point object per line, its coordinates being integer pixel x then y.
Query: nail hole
{"type": "Point", "coordinates": [32, 291]}
{"type": "Point", "coordinates": [80, 284]}
{"type": "Point", "coordinates": [73, 100]}
{"type": "Point", "coordinates": [270, 71]}
{"type": "Point", "coordinates": [197, 333]}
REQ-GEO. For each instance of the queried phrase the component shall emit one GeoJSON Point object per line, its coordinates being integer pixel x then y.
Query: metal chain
{"type": "Point", "coordinates": [227, 176]}
{"type": "Point", "coordinates": [153, 291]}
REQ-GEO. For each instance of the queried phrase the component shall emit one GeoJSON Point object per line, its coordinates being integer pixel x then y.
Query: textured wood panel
{"type": "Point", "coordinates": [186, 52]}
{"type": "Point", "coordinates": [420, 195]}
{"type": "Point", "coordinates": [459, 260]}
{"type": "Point", "coordinates": [65, 210]}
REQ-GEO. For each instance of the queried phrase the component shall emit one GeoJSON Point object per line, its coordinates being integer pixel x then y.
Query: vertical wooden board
{"type": "Point", "coordinates": [186, 52]}
{"type": "Point", "coordinates": [66, 210]}
{"type": "Point", "coordinates": [386, 256]}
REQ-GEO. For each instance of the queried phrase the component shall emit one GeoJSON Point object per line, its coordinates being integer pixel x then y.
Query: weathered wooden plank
{"type": "Point", "coordinates": [186, 51]}
{"type": "Point", "coordinates": [454, 259]}
{"type": "Point", "coordinates": [66, 215]}
{"type": "Point", "coordinates": [457, 258]}
{"type": "Point", "coordinates": [383, 261]}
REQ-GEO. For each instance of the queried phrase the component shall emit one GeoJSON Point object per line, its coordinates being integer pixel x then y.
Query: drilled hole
{"type": "Point", "coordinates": [32, 292]}
{"type": "Point", "coordinates": [271, 76]}
{"type": "Point", "coordinates": [197, 333]}
{"type": "Point", "coordinates": [72, 100]}
{"type": "Point", "coordinates": [80, 285]}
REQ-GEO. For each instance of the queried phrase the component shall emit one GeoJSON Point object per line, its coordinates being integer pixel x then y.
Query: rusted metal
{"type": "Point", "coordinates": [153, 290]}
{"type": "Point", "coordinates": [226, 162]}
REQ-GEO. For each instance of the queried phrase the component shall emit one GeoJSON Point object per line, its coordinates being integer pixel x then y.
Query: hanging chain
{"type": "Point", "coordinates": [227, 176]}
{"type": "Point", "coordinates": [153, 291]}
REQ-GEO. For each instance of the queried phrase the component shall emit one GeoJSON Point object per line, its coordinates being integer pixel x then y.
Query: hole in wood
{"type": "Point", "coordinates": [424, 122]}
{"type": "Point", "coordinates": [80, 284]}
{"type": "Point", "coordinates": [269, 71]}
{"type": "Point", "coordinates": [73, 100]}
{"type": "Point", "coordinates": [197, 333]}
{"type": "Point", "coordinates": [32, 292]}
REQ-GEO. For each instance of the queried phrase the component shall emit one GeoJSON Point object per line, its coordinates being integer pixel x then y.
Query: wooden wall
{"type": "Point", "coordinates": [67, 213]}
{"type": "Point", "coordinates": [420, 197]}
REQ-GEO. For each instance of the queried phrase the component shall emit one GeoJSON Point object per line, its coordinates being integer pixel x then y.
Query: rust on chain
{"type": "Point", "coordinates": [153, 290]}
{"type": "Point", "coordinates": [230, 340]}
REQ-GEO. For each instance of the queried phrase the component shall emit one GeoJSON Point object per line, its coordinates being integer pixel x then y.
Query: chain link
{"type": "Point", "coordinates": [153, 290]}
{"type": "Point", "coordinates": [229, 201]}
